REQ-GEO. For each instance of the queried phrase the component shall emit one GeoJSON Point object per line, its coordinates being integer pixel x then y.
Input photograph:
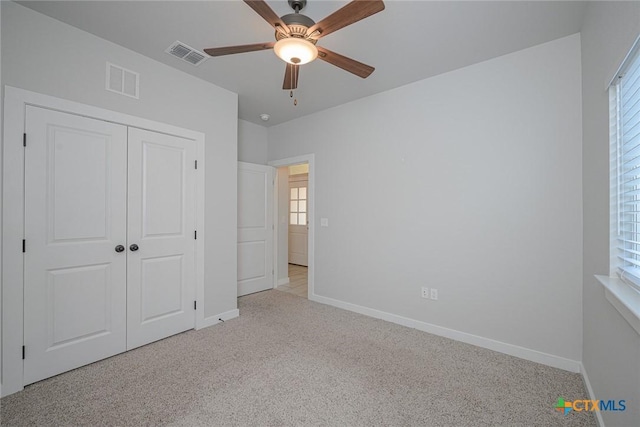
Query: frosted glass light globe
{"type": "Point", "coordinates": [295, 51]}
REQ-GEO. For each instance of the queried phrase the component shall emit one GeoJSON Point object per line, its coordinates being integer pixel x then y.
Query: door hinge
{"type": "Point", "coordinates": [196, 164]}
{"type": "Point", "coordinates": [24, 246]}
{"type": "Point", "coordinates": [24, 352]}
{"type": "Point", "coordinates": [195, 234]}
{"type": "Point", "coordinates": [195, 303]}
{"type": "Point", "coordinates": [272, 271]}
{"type": "Point", "coordinates": [24, 139]}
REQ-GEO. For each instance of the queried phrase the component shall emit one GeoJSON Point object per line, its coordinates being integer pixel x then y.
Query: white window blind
{"type": "Point", "coordinates": [625, 165]}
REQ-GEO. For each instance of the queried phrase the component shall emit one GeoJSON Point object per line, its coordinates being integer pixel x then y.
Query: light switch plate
{"type": "Point", "coordinates": [324, 222]}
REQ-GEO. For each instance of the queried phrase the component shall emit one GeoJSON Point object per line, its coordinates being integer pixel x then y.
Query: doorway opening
{"type": "Point", "coordinates": [294, 221]}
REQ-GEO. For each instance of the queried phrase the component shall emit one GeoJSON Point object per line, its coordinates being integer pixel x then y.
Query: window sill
{"type": "Point", "coordinates": [625, 299]}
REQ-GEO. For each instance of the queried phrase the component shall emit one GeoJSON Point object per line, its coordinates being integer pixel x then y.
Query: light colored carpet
{"type": "Point", "coordinates": [287, 361]}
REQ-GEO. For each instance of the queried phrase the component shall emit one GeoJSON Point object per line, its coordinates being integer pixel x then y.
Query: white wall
{"type": "Point", "coordinates": [611, 352]}
{"type": "Point", "coordinates": [468, 182]}
{"type": "Point", "coordinates": [252, 143]}
{"type": "Point", "coordinates": [56, 59]}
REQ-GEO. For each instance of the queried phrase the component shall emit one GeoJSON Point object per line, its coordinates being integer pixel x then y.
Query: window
{"type": "Point", "coordinates": [298, 206]}
{"type": "Point", "coordinates": [624, 97]}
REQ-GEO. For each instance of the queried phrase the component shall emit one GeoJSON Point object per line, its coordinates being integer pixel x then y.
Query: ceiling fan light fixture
{"type": "Point", "coordinates": [295, 50]}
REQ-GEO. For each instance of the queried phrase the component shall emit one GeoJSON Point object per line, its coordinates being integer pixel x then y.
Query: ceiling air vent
{"type": "Point", "coordinates": [186, 53]}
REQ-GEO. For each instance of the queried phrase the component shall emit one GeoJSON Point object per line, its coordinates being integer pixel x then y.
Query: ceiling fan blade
{"type": "Point", "coordinates": [229, 50]}
{"type": "Point", "coordinates": [291, 77]}
{"type": "Point", "coordinates": [263, 9]}
{"type": "Point", "coordinates": [347, 64]}
{"type": "Point", "coordinates": [347, 15]}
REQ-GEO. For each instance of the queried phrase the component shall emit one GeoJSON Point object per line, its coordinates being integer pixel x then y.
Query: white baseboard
{"type": "Point", "coordinates": [284, 281]}
{"type": "Point", "coordinates": [510, 349]}
{"type": "Point", "coordinates": [214, 320]}
{"type": "Point", "coordinates": [592, 396]}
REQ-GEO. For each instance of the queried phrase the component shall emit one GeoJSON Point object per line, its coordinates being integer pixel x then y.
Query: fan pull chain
{"type": "Point", "coordinates": [294, 83]}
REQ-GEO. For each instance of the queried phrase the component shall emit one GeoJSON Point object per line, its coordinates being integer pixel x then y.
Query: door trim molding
{"type": "Point", "coordinates": [15, 102]}
{"type": "Point", "coordinates": [311, 206]}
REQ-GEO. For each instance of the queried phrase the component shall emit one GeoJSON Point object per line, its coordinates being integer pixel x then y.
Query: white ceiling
{"type": "Point", "coordinates": [408, 41]}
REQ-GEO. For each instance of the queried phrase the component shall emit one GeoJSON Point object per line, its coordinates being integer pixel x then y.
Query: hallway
{"type": "Point", "coordinates": [297, 281]}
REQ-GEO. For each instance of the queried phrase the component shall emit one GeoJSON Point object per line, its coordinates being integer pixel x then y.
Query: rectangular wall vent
{"type": "Point", "coordinates": [186, 53]}
{"type": "Point", "coordinates": [122, 81]}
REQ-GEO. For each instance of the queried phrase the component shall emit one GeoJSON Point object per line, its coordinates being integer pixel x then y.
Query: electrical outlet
{"type": "Point", "coordinates": [434, 294]}
{"type": "Point", "coordinates": [425, 293]}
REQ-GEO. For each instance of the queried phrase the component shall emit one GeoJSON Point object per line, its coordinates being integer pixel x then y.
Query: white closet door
{"type": "Point", "coordinates": [161, 223]}
{"type": "Point", "coordinates": [255, 228]}
{"type": "Point", "coordinates": [75, 213]}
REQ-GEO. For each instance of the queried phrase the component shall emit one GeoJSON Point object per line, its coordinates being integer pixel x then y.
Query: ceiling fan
{"type": "Point", "coordinates": [297, 34]}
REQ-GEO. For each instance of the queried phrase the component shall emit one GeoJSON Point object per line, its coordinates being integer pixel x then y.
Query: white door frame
{"type": "Point", "coordinates": [311, 206]}
{"type": "Point", "coordinates": [15, 102]}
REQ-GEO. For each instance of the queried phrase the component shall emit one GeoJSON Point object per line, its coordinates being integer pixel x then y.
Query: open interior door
{"type": "Point", "coordinates": [255, 228]}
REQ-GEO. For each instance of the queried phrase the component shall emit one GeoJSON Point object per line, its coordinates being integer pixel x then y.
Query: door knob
{"type": "Point", "coordinates": [133, 247]}
{"type": "Point", "coordinates": [119, 248]}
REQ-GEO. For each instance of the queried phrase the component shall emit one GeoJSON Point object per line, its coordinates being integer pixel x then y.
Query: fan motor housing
{"type": "Point", "coordinates": [294, 19]}
{"type": "Point", "coordinates": [298, 25]}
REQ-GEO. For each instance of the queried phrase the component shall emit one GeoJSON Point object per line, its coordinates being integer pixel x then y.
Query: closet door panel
{"type": "Point", "coordinates": [161, 225]}
{"type": "Point", "coordinates": [75, 216]}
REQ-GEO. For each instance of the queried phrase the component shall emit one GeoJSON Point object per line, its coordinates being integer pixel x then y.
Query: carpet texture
{"type": "Point", "coordinates": [287, 361]}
